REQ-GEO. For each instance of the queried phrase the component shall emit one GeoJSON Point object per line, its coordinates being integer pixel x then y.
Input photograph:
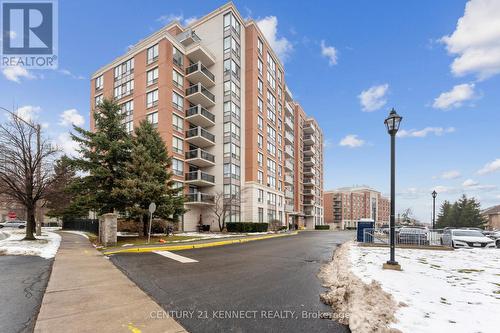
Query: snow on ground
{"type": "Point", "coordinates": [446, 291]}
{"type": "Point", "coordinates": [45, 246]}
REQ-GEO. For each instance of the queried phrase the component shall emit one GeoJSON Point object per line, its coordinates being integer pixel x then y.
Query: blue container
{"type": "Point", "coordinates": [361, 230]}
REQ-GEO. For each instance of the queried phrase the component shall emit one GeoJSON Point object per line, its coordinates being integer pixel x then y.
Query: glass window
{"type": "Point", "coordinates": [231, 21]}
{"type": "Point", "coordinates": [261, 215]}
{"type": "Point", "coordinates": [259, 105]}
{"type": "Point", "coordinates": [259, 46]}
{"type": "Point", "coordinates": [99, 82]}
{"type": "Point", "coordinates": [178, 57]}
{"type": "Point", "coordinates": [153, 118]}
{"type": "Point", "coordinates": [177, 122]}
{"type": "Point", "coordinates": [177, 167]}
{"type": "Point", "coordinates": [178, 79]}
{"type": "Point", "coordinates": [177, 101]}
{"type": "Point", "coordinates": [260, 177]}
{"type": "Point", "coordinates": [152, 53]}
{"type": "Point", "coordinates": [260, 123]}
{"type": "Point", "coordinates": [260, 141]}
{"type": "Point", "coordinates": [260, 158]}
{"type": "Point", "coordinates": [177, 144]}
{"type": "Point", "coordinates": [259, 86]}
{"type": "Point", "coordinates": [152, 76]}
{"type": "Point", "coordinates": [259, 66]}
{"type": "Point", "coordinates": [98, 100]}
{"type": "Point", "coordinates": [129, 126]}
{"type": "Point", "coordinates": [152, 98]}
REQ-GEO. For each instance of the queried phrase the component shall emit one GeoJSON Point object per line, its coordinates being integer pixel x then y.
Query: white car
{"type": "Point", "coordinates": [458, 238]}
{"type": "Point", "coordinates": [13, 224]}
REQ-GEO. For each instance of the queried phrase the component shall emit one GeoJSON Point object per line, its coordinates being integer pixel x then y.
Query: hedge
{"type": "Point", "coordinates": [246, 227]}
{"type": "Point", "coordinates": [322, 227]}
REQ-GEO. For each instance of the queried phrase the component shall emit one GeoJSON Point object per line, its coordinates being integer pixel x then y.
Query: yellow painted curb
{"type": "Point", "coordinates": [195, 246]}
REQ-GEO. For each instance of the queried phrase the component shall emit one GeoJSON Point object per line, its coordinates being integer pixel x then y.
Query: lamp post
{"type": "Point", "coordinates": [392, 123]}
{"type": "Point", "coordinates": [434, 195]}
{"type": "Point", "coordinates": [38, 130]}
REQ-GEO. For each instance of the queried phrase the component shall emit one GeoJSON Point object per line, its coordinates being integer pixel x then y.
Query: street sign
{"type": "Point", "coordinates": [12, 215]}
{"type": "Point", "coordinates": [152, 207]}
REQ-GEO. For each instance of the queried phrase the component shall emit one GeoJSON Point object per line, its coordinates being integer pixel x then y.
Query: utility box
{"type": "Point", "coordinates": [361, 226]}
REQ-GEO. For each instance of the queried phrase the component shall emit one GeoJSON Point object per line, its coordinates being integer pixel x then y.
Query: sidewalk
{"type": "Point", "coordinates": [197, 244]}
{"type": "Point", "coordinates": [87, 293]}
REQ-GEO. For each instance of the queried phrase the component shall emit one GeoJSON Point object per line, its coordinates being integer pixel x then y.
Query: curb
{"type": "Point", "coordinates": [195, 246]}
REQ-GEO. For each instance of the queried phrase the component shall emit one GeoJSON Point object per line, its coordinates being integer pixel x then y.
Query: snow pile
{"type": "Point", "coordinates": [444, 291]}
{"type": "Point", "coordinates": [364, 307]}
{"type": "Point", "coordinates": [45, 246]}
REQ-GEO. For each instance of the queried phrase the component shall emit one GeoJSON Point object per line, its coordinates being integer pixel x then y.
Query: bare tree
{"type": "Point", "coordinates": [26, 166]}
{"type": "Point", "coordinates": [222, 207]}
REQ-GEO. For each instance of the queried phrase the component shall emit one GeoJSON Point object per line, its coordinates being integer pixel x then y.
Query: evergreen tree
{"type": "Point", "coordinates": [465, 212]}
{"type": "Point", "coordinates": [148, 178]}
{"type": "Point", "coordinates": [444, 214]}
{"type": "Point", "coordinates": [104, 154]}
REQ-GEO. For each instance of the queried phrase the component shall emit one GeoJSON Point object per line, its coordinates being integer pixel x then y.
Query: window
{"type": "Point", "coordinates": [271, 133]}
{"type": "Point", "coordinates": [153, 118]}
{"type": "Point", "coordinates": [124, 89]}
{"type": "Point", "coordinates": [177, 145]}
{"type": "Point", "coordinates": [177, 167]}
{"type": "Point", "coordinates": [260, 195]}
{"type": "Point", "coordinates": [177, 101]}
{"type": "Point", "coordinates": [260, 158]}
{"type": "Point", "coordinates": [259, 66]}
{"type": "Point", "coordinates": [260, 122]}
{"type": "Point", "coordinates": [98, 100]}
{"type": "Point", "coordinates": [128, 126]}
{"type": "Point", "coordinates": [232, 150]}
{"type": "Point", "coordinates": [152, 98]}
{"type": "Point", "coordinates": [152, 76]}
{"type": "Point", "coordinates": [230, 44]}
{"type": "Point", "coordinates": [125, 68]}
{"type": "Point", "coordinates": [230, 108]}
{"type": "Point", "coordinates": [99, 83]}
{"type": "Point", "coordinates": [259, 86]}
{"type": "Point", "coordinates": [280, 76]}
{"type": "Point", "coordinates": [127, 109]}
{"type": "Point", "coordinates": [261, 214]}
{"type": "Point", "coordinates": [260, 177]}
{"type": "Point", "coordinates": [177, 122]}
{"type": "Point", "coordinates": [231, 21]}
{"type": "Point", "coordinates": [177, 57]}
{"type": "Point", "coordinates": [260, 141]}
{"type": "Point", "coordinates": [271, 148]}
{"type": "Point", "coordinates": [259, 105]}
{"type": "Point", "coordinates": [231, 170]}
{"type": "Point", "coordinates": [259, 46]}
{"type": "Point", "coordinates": [178, 79]}
{"type": "Point", "coordinates": [271, 65]}
{"type": "Point", "coordinates": [271, 181]}
{"type": "Point", "coordinates": [232, 129]}
{"type": "Point", "coordinates": [230, 66]}
{"type": "Point", "coordinates": [152, 53]}
{"type": "Point", "coordinates": [231, 88]}
{"type": "Point", "coordinates": [270, 80]}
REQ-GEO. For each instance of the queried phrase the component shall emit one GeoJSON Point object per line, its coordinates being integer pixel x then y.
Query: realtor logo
{"type": "Point", "coordinates": [29, 34]}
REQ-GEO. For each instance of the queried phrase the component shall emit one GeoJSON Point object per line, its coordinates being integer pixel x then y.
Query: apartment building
{"type": "Point", "coordinates": [216, 91]}
{"type": "Point", "coordinates": [344, 207]}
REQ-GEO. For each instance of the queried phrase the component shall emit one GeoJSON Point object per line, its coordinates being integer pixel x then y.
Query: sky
{"type": "Point", "coordinates": [346, 62]}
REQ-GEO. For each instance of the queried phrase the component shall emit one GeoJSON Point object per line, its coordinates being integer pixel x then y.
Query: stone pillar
{"type": "Point", "coordinates": [108, 229]}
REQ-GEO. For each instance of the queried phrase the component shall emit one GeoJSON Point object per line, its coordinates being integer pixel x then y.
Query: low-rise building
{"type": "Point", "coordinates": [492, 216]}
{"type": "Point", "coordinates": [344, 207]}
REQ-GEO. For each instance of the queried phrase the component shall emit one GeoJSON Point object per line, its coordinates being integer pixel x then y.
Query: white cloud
{"type": "Point", "coordinates": [450, 174]}
{"type": "Point", "coordinates": [455, 97]}
{"type": "Point", "coordinates": [68, 73]}
{"type": "Point", "coordinates": [469, 183]}
{"type": "Point", "coordinates": [282, 46]}
{"type": "Point", "coordinates": [67, 145]}
{"type": "Point", "coordinates": [15, 73]}
{"type": "Point", "coordinates": [373, 98]}
{"type": "Point", "coordinates": [329, 52]}
{"type": "Point", "coordinates": [351, 141]}
{"type": "Point", "coordinates": [71, 117]}
{"type": "Point", "coordinates": [442, 189]}
{"type": "Point", "coordinates": [490, 167]}
{"type": "Point", "coordinates": [476, 40]}
{"type": "Point", "coordinates": [184, 21]}
{"type": "Point", "coordinates": [28, 112]}
{"type": "Point", "coordinates": [414, 133]}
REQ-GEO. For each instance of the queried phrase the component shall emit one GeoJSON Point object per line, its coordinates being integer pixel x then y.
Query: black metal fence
{"type": "Point", "coordinates": [79, 224]}
{"type": "Point", "coordinates": [405, 236]}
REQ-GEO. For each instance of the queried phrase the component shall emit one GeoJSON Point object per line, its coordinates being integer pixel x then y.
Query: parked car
{"type": "Point", "coordinates": [13, 224]}
{"type": "Point", "coordinates": [458, 238]}
{"type": "Point", "coordinates": [495, 235]}
{"type": "Point", "coordinates": [413, 236]}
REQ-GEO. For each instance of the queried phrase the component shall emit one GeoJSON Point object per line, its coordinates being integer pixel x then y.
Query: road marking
{"type": "Point", "coordinates": [174, 256]}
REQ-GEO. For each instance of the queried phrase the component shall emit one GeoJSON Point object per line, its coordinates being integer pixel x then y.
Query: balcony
{"type": "Point", "coordinates": [308, 192]}
{"type": "Point", "coordinates": [200, 137]}
{"type": "Point", "coordinates": [289, 150]}
{"type": "Point", "coordinates": [198, 94]}
{"type": "Point", "coordinates": [309, 202]}
{"type": "Point", "coordinates": [289, 208]}
{"type": "Point", "coordinates": [289, 137]}
{"type": "Point", "coordinates": [309, 139]}
{"type": "Point", "coordinates": [308, 212]}
{"type": "Point", "coordinates": [199, 199]}
{"type": "Point", "coordinates": [199, 178]}
{"type": "Point", "coordinates": [197, 73]}
{"type": "Point", "coordinates": [309, 172]}
{"type": "Point", "coordinates": [199, 116]}
{"type": "Point", "coordinates": [308, 182]}
{"type": "Point", "coordinates": [288, 179]}
{"type": "Point", "coordinates": [200, 158]}
{"type": "Point", "coordinates": [288, 108]}
{"type": "Point", "coordinates": [289, 165]}
{"type": "Point", "coordinates": [289, 122]}
{"type": "Point", "coordinates": [288, 194]}
{"type": "Point", "coordinates": [309, 161]}
{"type": "Point", "coordinates": [197, 52]}
{"type": "Point", "coordinates": [188, 37]}
{"type": "Point", "coordinates": [309, 128]}
{"type": "Point", "coordinates": [309, 151]}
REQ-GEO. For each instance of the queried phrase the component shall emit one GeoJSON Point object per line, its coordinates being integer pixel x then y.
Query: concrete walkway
{"type": "Point", "coordinates": [87, 293]}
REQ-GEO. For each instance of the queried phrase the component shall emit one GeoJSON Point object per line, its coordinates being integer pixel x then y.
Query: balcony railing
{"type": "Point", "coordinates": [288, 122]}
{"type": "Point", "coordinates": [289, 164]}
{"type": "Point", "coordinates": [200, 198]}
{"type": "Point", "coordinates": [200, 153]}
{"type": "Point", "coordinates": [289, 150]}
{"type": "Point", "coordinates": [200, 67]}
{"type": "Point", "coordinates": [199, 175]}
{"type": "Point", "coordinates": [198, 111]}
{"type": "Point", "coordinates": [199, 131]}
{"type": "Point", "coordinates": [199, 88]}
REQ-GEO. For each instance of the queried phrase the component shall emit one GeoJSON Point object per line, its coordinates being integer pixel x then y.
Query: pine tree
{"type": "Point", "coordinates": [465, 212]}
{"type": "Point", "coordinates": [104, 154]}
{"type": "Point", "coordinates": [148, 178]}
{"type": "Point", "coordinates": [444, 214]}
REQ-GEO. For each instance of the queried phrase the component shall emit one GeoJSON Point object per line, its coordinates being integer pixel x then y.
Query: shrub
{"type": "Point", "coordinates": [246, 227]}
{"type": "Point", "coordinates": [322, 227]}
